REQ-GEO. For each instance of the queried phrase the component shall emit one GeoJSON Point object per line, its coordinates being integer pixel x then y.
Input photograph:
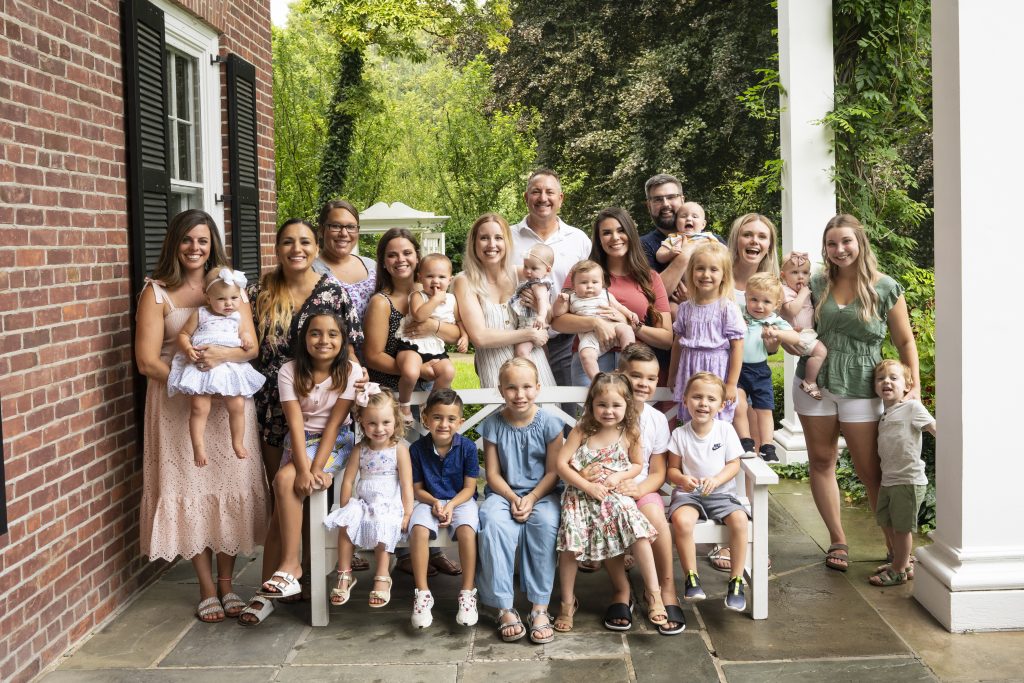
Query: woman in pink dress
{"type": "Point", "coordinates": [220, 509]}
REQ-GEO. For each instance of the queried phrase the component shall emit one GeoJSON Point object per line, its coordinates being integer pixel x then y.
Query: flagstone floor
{"type": "Point", "coordinates": [822, 626]}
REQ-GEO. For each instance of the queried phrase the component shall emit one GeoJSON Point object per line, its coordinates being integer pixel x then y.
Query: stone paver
{"type": "Point", "coordinates": [822, 625]}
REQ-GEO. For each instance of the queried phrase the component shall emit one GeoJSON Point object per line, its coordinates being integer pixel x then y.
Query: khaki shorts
{"type": "Point", "coordinates": [898, 506]}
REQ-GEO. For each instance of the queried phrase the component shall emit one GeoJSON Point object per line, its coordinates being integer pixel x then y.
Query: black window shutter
{"type": "Point", "coordinates": [148, 144]}
{"type": "Point", "coordinates": [243, 162]}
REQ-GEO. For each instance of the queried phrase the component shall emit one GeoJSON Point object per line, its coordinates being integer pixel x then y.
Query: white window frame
{"type": "Point", "coordinates": [189, 35]}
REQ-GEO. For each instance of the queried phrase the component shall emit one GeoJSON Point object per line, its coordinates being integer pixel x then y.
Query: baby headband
{"type": "Point", "coordinates": [231, 277]}
{"type": "Point", "coordinates": [798, 258]}
{"type": "Point", "coordinates": [363, 397]}
{"type": "Point", "coordinates": [540, 258]}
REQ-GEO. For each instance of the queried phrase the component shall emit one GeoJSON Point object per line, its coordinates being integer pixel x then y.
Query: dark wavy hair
{"type": "Point", "coordinates": [637, 267]}
{"type": "Point", "coordinates": [340, 366]}
{"type": "Point", "coordinates": [384, 281]}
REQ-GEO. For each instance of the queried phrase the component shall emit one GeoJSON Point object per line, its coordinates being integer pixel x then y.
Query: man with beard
{"type": "Point", "coordinates": [543, 226]}
{"type": "Point", "coordinates": [665, 197]}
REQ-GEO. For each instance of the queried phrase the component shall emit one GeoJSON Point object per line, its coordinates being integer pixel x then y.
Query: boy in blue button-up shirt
{"type": "Point", "coordinates": [445, 467]}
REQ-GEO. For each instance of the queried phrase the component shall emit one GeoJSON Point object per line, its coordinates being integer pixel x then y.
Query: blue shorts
{"type": "Point", "coordinates": [339, 453]}
{"type": "Point", "coordinates": [466, 514]}
{"type": "Point", "coordinates": [756, 381]}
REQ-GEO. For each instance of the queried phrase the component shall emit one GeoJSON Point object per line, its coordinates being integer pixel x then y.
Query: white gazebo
{"type": "Point", "coordinates": [972, 576]}
{"type": "Point", "coordinates": [381, 217]}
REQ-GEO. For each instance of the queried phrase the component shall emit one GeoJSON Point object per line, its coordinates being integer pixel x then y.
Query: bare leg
{"type": "Point", "coordinates": [272, 543]}
{"type": "Point", "coordinates": [741, 421]}
{"type": "Point", "coordinates": [902, 545]}
{"type": "Point", "coordinates": [419, 554]}
{"type": "Point", "coordinates": [862, 440]}
{"type": "Point", "coordinates": [662, 548]}
{"type": "Point", "coordinates": [524, 349]}
{"type": "Point", "coordinates": [822, 435]}
{"type": "Point", "coordinates": [588, 359]}
{"type": "Point", "coordinates": [683, 521]}
{"type": "Point", "coordinates": [409, 363]}
{"type": "Point", "coordinates": [383, 559]}
{"type": "Point", "coordinates": [616, 568]}
{"type": "Point", "coordinates": [645, 560]}
{"type": "Point", "coordinates": [236, 422]}
{"type": "Point", "coordinates": [814, 363]}
{"type": "Point", "coordinates": [765, 426]}
{"type": "Point", "coordinates": [197, 426]}
{"type": "Point", "coordinates": [345, 550]}
{"type": "Point", "coordinates": [203, 566]}
{"type": "Point", "coordinates": [444, 373]}
{"type": "Point", "coordinates": [737, 523]}
{"type": "Point", "coordinates": [467, 555]}
{"type": "Point", "coordinates": [289, 519]}
{"type": "Point", "coordinates": [624, 335]}
{"type": "Point", "coordinates": [567, 576]}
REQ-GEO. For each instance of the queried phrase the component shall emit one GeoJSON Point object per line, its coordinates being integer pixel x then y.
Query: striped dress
{"type": "Point", "coordinates": [488, 361]}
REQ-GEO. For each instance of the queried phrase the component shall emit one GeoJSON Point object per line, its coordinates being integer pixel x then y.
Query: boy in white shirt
{"type": "Point", "coordinates": [703, 461]}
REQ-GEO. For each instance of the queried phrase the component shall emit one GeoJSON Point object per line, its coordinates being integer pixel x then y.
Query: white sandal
{"type": "Point", "coordinates": [266, 607]}
{"type": "Point", "coordinates": [381, 595]}
{"type": "Point", "coordinates": [339, 595]}
{"type": "Point", "coordinates": [281, 585]}
{"type": "Point", "coordinates": [407, 417]}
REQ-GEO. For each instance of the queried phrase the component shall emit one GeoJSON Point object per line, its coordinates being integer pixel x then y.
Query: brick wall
{"type": "Point", "coordinates": [71, 447]}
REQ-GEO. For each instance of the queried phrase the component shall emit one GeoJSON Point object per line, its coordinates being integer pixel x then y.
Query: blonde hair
{"type": "Point", "coordinates": [866, 269]}
{"type": "Point", "coordinates": [517, 362]}
{"type": "Point", "coordinates": [908, 374]}
{"type": "Point", "coordinates": [766, 283]}
{"type": "Point", "coordinates": [709, 377]}
{"type": "Point", "coordinates": [384, 399]}
{"type": "Point", "coordinates": [714, 250]}
{"type": "Point", "coordinates": [273, 308]}
{"type": "Point", "coordinates": [473, 269]}
{"type": "Point", "coordinates": [584, 266]}
{"type": "Point", "coordinates": [542, 253]}
{"type": "Point", "coordinates": [770, 262]}
{"type": "Point", "coordinates": [604, 382]}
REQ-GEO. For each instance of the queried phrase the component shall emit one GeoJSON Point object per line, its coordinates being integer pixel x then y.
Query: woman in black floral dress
{"type": "Point", "coordinates": [281, 302]}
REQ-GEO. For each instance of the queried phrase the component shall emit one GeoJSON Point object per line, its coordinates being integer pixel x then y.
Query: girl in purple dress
{"type": "Point", "coordinates": [709, 329]}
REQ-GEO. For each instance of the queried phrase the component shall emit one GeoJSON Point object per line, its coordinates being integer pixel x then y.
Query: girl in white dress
{"type": "Point", "coordinates": [215, 324]}
{"type": "Point", "coordinates": [377, 514]}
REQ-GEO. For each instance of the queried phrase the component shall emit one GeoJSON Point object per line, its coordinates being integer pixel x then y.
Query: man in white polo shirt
{"type": "Point", "coordinates": [571, 245]}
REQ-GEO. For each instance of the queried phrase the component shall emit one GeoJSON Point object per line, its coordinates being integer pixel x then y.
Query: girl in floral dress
{"type": "Point", "coordinates": [599, 523]}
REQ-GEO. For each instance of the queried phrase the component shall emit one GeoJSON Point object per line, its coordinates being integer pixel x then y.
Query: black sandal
{"type": "Point", "coordinates": [675, 616]}
{"type": "Point", "coordinates": [618, 611]}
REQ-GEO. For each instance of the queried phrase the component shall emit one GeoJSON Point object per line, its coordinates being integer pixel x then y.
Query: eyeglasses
{"type": "Point", "coordinates": [664, 199]}
{"type": "Point", "coordinates": [350, 228]}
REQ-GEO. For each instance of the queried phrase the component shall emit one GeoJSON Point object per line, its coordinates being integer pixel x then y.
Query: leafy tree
{"type": "Point", "coordinates": [627, 90]}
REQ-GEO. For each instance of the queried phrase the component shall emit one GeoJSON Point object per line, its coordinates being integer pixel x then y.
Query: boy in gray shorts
{"type": "Point", "coordinates": [703, 461]}
{"type": "Point", "coordinates": [903, 479]}
{"type": "Point", "coordinates": [445, 467]}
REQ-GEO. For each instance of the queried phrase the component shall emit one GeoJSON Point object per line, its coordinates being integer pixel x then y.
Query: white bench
{"type": "Point", "coordinates": [324, 544]}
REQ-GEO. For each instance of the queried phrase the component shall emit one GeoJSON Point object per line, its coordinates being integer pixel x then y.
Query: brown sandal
{"type": "Point", "coordinates": [563, 623]}
{"type": "Point", "coordinates": [833, 560]}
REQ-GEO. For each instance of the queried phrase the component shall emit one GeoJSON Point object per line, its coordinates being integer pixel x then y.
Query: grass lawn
{"type": "Point", "coordinates": [465, 374]}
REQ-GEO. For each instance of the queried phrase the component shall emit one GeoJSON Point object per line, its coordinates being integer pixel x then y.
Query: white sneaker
{"type": "Point", "coordinates": [468, 614]}
{"type": "Point", "coordinates": [421, 604]}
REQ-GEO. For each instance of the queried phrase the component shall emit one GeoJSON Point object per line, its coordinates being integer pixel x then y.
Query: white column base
{"type": "Point", "coordinates": [789, 443]}
{"type": "Point", "coordinates": [975, 590]}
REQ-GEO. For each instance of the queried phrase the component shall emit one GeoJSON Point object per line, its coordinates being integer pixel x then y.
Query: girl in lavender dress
{"type": "Point", "coordinates": [708, 331]}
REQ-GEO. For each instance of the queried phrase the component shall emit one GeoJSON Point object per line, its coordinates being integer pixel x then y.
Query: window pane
{"type": "Point", "coordinates": [185, 151]}
{"type": "Point", "coordinates": [182, 87]}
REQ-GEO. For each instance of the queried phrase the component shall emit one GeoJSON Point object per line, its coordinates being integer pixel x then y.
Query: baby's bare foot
{"type": "Point", "coordinates": [241, 452]}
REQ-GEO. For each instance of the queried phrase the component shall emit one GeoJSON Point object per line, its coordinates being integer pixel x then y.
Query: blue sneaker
{"type": "Point", "coordinates": [692, 589]}
{"type": "Point", "coordinates": [734, 598]}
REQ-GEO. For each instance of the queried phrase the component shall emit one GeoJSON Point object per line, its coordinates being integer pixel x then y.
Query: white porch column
{"type": "Point", "coordinates": [972, 577]}
{"type": "Point", "coordinates": [808, 193]}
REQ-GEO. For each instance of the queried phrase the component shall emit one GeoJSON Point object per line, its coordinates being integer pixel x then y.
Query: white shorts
{"type": "Point", "coordinates": [588, 340]}
{"type": "Point", "coordinates": [808, 338]}
{"type": "Point", "coordinates": [848, 409]}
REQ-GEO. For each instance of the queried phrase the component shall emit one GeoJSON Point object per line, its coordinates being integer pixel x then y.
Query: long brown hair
{"type": "Point", "coordinates": [637, 267]}
{"type": "Point", "coordinates": [384, 281]}
{"type": "Point", "coordinates": [168, 267]}
{"type": "Point", "coordinates": [867, 269]}
{"type": "Point", "coordinates": [340, 366]}
{"type": "Point", "coordinates": [610, 381]}
{"type": "Point", "coordinates": [273, 309]}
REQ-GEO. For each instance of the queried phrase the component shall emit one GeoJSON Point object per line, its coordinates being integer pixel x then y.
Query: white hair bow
{"type": "Point", "coordinates": [231, 277]}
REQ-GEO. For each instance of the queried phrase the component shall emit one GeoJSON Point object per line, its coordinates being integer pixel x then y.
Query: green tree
{"type": "Point", "coordinates": [627, 90]}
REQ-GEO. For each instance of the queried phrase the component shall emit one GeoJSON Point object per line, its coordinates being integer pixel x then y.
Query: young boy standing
{"type": "Point", "coordinates": [903, 478]}
{"type": "Point", "coordinates": [445, 467]}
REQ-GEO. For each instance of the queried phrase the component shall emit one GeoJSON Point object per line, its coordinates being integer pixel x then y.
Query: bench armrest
{"type": "Point", "coordinates": [758, 472]}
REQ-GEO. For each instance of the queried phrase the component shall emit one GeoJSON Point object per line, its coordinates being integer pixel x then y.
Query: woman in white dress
{"type": "Point", "coordinates": [483, 290]}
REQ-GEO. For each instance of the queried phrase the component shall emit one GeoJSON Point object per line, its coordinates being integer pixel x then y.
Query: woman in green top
{"type": "Point", "coordinates": [854, 307]}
